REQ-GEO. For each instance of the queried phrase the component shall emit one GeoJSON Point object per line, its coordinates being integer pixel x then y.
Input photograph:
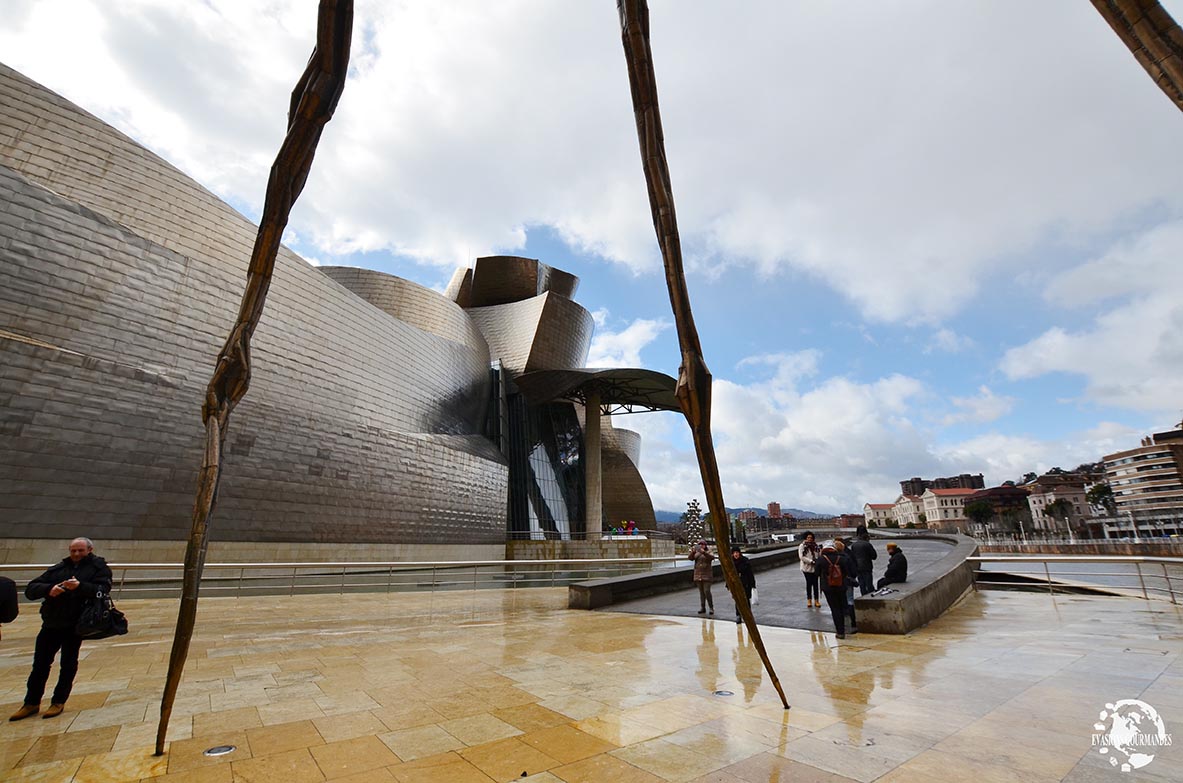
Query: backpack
{"type": "Point", "coordinates": [834, 575]}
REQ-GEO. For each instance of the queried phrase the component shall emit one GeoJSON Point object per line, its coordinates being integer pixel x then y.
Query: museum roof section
{"type": "Point", "coordinates": [622, 390]}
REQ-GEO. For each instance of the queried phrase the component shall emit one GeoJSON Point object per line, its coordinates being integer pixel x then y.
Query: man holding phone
{"type": "Point", "coordinates": [65, 588]}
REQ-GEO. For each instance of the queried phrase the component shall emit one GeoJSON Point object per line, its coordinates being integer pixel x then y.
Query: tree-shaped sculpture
{"type": "Point", "coordinates": [313, 101]}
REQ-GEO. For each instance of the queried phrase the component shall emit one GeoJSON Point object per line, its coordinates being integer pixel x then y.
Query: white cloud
{"type": "Point", "coordinates": [985, 407]}
{"type": "Point", "coordinates": [465, 122]}
{"type": "Point", "coordinates": [623, 348]}
{"type": "Point", "coordinates": [832, 444]}
{"type": "Point", "coordinates": [1132, 354]}
{"type": "Point", "coordinates": [948, 341]}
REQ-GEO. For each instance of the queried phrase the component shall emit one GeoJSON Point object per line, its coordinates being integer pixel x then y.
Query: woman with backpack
{"type": "Point", "coordinates": [835, 572]}
{"type": "Point", "coordinates": [808, 553]}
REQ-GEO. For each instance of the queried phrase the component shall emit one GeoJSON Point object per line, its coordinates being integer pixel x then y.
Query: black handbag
{"type": "Point", "coordinates": [101, 619]}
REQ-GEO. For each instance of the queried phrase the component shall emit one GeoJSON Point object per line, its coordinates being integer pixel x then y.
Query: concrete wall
{"type": "Point", "coordinates": [927, 594]}
{"type": "Point", "coordinates": [579, 550]}
{"type": "Point", "coordinates": [595, 593]}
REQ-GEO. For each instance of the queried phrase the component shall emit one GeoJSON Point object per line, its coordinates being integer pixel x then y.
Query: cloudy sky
{"type": "Point", "coordinates": [922, 237]}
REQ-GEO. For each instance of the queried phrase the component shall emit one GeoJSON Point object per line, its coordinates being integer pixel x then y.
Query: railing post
{"type": "Point", "coordinates": [241, 574]}
{"type": "Point", "coordinates": [1141, 580]}
{"type": "Point", "coordinates": [1170, 588]}
{"type": "Point", "coordinates": [342, 581]}
{"type": "Point", "coordinates": [389, 579]}
{"type": "Point", "coordinates": [292, 588]}
{"type": "Point", "coordinates": [123, 578]}
{"type": "Point", "coordinates": [1047, 573]}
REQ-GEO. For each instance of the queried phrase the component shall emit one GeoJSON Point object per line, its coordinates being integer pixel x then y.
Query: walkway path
{"type": "Point", "coordinates": [781, 590]}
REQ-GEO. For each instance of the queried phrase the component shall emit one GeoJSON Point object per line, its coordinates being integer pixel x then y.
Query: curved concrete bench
{"type": "Point", "coordinates": [595, 593]}
{"type": "Point", "coordinates": [929, 592]}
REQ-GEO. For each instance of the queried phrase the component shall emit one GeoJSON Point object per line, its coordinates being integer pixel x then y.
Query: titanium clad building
{"type": "Point", "coordinates": [382, 419]}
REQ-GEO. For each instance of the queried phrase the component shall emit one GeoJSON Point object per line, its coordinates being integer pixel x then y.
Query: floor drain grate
{"type": "Point", "coordinates": [219, 750]}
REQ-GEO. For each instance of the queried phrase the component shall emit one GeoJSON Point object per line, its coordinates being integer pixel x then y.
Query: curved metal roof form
{"type": "Point", "coordinates": [620, 390]}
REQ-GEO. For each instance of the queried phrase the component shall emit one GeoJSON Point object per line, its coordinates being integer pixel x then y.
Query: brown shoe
{"type": "Point", "coordinates": [25, 711]}
{"type": "Point", "coordinates": [53, 711]}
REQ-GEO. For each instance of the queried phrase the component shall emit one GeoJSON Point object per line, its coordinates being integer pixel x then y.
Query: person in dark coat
{"type": "Point", "coordinates": [704, 574]}
{"type": "Point", "coordinates": [843, 546]}
{"type": "Point", "coordinates": [864, 554]}
{"type": "Point", "coordinates": [743, 567]}
{"type": "Point", "coordinates": [829, 559]}
{"type": "Point", "coordinates": [65, 588]}
{"type": "Point", "coordinates": [9, 607]}
{"type": "Point", "coordinates": [897, 567]}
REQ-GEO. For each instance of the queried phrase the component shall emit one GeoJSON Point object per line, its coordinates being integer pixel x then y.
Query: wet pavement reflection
{"type": "Point", "coordinates": [488, 686]}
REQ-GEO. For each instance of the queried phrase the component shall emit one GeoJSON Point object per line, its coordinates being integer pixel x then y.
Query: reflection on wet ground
{"type": "Point", "coordinates": [489, 685]}
{"type": "Point", "coordinates": [781, 592]}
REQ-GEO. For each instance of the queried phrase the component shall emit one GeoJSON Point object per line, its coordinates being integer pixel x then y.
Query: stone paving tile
{"type": "Point", "coordinates": [489, 688]}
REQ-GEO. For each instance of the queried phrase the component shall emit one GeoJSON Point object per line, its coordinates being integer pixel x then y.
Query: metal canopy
{"type": "Point", "coordinates": [620, 390]}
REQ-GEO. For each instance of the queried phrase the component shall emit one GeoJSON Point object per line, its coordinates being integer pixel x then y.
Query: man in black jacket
{"type": "Point", "coordinates": [65, 588]}
{"type": "Point", "coordinates": [864, 554]}
{"type": "Point", "coordinates": [897, 567]}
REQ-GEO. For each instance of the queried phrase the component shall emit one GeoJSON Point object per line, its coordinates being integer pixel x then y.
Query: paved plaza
{"type": "Point", "coordinates": [464, 687]}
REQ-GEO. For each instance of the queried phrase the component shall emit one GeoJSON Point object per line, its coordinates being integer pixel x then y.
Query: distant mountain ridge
{"type": "Point", "coordinates": [668, 517]}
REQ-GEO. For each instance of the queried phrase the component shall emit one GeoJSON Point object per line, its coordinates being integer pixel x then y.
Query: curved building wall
{"type": "Point", "coordinates": [625, 495]}
{"type": "Point", "coordinates": [119, 278]}
{"type": "Point", "coordinates": [547, 332]}
{"type": "Point", "coordinates": [410, 302]}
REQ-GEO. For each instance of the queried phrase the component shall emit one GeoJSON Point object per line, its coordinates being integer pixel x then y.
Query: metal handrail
{"type": "Point", "coordinates": [1054, 580]}
{"type": "Point", "coordinates": [288, 578]}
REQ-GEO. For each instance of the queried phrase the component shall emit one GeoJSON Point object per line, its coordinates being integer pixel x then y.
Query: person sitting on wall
{"type": "Point", "coordinates": [65, 588]}
{"type": "Point", "coordinates": [897, 567]}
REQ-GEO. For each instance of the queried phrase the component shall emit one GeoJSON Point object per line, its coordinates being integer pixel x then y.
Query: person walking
{"type": "Point", "coordinates": [897, 566]}
{"type": "Point", "coordinates": [704, 574]}
{"type": "Point", "coordinates": [808, 553]}
{"type": "Point", "coordinates": [65, 588]}
{"type": "Point", "coordinates": [864, 554]}
{"type": "Point", "coordinates": [835, 572]}
{"type": "Point", "coordinates": [743, 567]}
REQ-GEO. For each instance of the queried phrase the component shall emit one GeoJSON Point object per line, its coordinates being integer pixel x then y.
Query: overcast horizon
{"type": "Point", "coordinates": [921, 238]}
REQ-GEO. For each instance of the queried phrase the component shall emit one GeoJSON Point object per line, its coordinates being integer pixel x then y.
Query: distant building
{"type": "Point", "coordinates": [944, 509]}
{"type": "Point", "coordinates": [774, 510]}
{"type": "Point", "coordinates": [879, 513]}
{"type": "Point", "coordinates": [851, 520]}
{"type": "Point", "coordinates": [1147, 485]}
{"type": "Point", "coordinates": [916, 485]}
{"type": "Point", "coordinates": [907, 510]}
{"type": "Point", "coordinates": [1044, 495]}
{"type": "Point", "coordinates": [1011, 510]}
{"type": "Point", "coordinates": [748, 515]}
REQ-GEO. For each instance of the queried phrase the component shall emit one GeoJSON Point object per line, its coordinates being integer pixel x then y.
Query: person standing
{"type": "Point", "coordinates": [843, 547]}
{"type": "Point", "coordinates": [65, 589]}
{"type": "Point", "coordinates": [864, 554]}
{"type": "Point", "coordinates": [897, 566]}
{"type": "Point", "coordinates": [704, 574]}
{"type": "Point", "coordinates": [834, 571]}
{"type": "Point", "coordinates": [808, 553]}
{"type": "Point", "coordinates": [743, 567]}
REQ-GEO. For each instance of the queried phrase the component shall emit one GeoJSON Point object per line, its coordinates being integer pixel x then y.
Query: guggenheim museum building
{"type": "Point", "coordinates": [384, 420]}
